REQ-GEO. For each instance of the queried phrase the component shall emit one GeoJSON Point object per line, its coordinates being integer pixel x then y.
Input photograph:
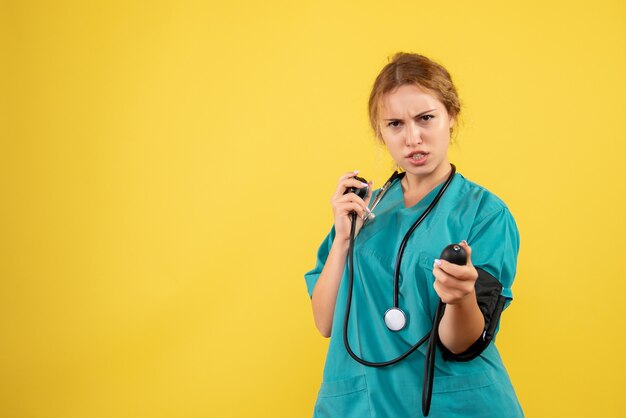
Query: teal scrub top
{"type": "Point", "coordinates": [477, 388]}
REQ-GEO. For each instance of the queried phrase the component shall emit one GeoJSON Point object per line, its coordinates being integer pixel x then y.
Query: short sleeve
{"type": "Point", "coordinates": [322, 254]}
{"type": "Point", "coordinates": [495, 245]}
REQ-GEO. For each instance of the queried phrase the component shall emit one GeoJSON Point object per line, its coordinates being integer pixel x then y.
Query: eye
{"type": "Point", "coordinates": [426, 118]}
{"type": "Point", "coordinates": [394, 123]}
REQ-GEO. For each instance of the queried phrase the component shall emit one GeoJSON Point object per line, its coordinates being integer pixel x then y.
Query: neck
{"type": "Point", "coordinates": [415, 185]}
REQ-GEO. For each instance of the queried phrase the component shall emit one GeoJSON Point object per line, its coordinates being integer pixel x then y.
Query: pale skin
{"type": "Point", "coordinates": [325, 291]}
{"type": "Point", "coordinates": [411, 120]}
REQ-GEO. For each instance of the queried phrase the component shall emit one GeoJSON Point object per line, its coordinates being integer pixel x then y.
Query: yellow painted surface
{"type": "Point", "coordinates": [166, 170]}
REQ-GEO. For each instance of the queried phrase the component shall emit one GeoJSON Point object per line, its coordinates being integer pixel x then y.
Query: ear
{"type": "Point", "coordinates": [452, 122]}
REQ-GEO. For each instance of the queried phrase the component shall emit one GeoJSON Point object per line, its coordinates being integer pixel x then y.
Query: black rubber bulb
{"type": "Point", "coordinates": [360, 191]}
{"type": "Point", "coordinates": [455, 254]}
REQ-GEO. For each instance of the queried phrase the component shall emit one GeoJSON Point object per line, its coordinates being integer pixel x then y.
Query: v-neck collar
{"type": "Point", "coordinates": [422, 203]}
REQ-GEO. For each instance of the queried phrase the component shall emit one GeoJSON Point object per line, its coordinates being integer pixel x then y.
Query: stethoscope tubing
{"type": "Point", "coordinates": [396, 279]}
{"type": "Point", "coordinates": [432, 335]}
{"type": "Point", "coordinates": [346, 319]}
{"type": "Point", "coordinates": [396, 274]}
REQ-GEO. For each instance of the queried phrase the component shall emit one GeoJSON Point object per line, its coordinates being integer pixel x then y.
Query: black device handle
{"type": "Point", "coordinates": [359, 191]}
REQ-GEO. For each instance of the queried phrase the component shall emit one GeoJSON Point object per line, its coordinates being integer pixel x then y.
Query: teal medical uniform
{"type": "Point", "coordinates": [477, 388]}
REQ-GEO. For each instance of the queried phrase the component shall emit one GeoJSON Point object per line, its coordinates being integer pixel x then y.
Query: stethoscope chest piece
{"type": "Point", "coordinates": [395, 319]}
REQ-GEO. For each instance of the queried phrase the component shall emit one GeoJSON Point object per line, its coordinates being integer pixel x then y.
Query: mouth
{"type": "Point", "coordinates": [417, 156]}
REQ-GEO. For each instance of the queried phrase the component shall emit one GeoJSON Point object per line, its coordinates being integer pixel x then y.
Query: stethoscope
{"type": "Point", "coordinates": [395, 319]}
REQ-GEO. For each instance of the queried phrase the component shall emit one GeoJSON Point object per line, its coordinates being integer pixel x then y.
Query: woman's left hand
{"type": "Point", "coordinates": [453, 283]}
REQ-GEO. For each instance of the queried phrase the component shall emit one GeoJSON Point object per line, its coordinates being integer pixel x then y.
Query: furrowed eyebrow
{"type": "Point", "coordinates": [417, 116]}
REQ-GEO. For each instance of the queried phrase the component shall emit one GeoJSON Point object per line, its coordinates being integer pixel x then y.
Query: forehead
{"type": "Point", "coordinates": [408, 98]}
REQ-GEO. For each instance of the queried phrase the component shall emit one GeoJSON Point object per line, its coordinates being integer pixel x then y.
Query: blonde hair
{"type": "Point", "coordinates": [417, 70]}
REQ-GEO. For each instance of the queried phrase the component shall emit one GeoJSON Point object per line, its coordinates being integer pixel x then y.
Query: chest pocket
{"type": "Point", "coordinates": [416, 285]}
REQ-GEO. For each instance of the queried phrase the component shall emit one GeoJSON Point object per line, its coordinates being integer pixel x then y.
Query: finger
{"type": "Point", "coordinates": [453, 291]}
{"type": "Point", "coordinates": [444, 294]}
{"type": "Point", "coordinates": [347, 208]}
{"type": "Point", "coordinates": [346, 183]}
{"type": "Point", "coordinates": [464, 272]}
{"type": "Point", "coordinates": [440, 292]}
{"type": "Point", "coordinates": [348, 175]}
{"type": "Point", "coordinates": [352, 182]}
{"type": "Point", "coordinates": [448, 267]}
{"type": "Point", "coordinates": [343, 177]}
{"type": "Point", "coordinates": [449, 282]}
{"type": "Point", "coordinates": [350, 197]}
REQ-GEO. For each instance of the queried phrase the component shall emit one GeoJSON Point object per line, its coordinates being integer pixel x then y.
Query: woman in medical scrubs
{"type": "Point", "coordinates": [413, 109]}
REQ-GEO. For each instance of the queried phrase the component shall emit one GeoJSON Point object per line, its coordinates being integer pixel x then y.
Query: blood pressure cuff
{"type": "Point", "coordinates": [491, 304]}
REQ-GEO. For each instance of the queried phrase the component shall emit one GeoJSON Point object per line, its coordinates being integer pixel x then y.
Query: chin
{"type": "Point", "coordinates": [427, 170]}
{"type": "Point", "coordinates": [419, 171]}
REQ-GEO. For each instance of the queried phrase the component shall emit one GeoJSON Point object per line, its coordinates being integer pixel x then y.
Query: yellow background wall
{"type": "Point", "coordinates": [166, 170]}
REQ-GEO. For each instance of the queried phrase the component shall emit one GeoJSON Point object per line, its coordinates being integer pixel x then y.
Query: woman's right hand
{"type": "Point", "coordinates": [344, 204]}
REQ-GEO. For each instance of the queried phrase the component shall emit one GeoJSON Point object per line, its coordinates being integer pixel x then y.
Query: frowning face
{"type": "Point", "coordinates": [415, 127]}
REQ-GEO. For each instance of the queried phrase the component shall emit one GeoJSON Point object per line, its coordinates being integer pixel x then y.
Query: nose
{"type": "Point", "coordinates": [413, 135]}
